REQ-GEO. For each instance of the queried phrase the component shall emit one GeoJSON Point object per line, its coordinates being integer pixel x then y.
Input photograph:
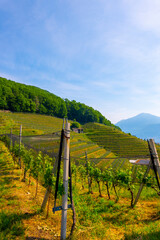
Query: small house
{"type": "Point", "coordinates": [77, 130]}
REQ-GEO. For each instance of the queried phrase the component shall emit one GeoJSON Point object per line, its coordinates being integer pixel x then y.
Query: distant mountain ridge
{"type": "Point", "coordinates": [143, 125]}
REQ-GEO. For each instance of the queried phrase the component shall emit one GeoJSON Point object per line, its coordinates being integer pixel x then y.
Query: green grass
{"type": "Point", "coordinates": [111, 220]}
{"type": "Point", "coordinates": [10, 225]}
{"type": "Point", "coordinates": [33, 124]}
{"type": "Point", "coordinates": [10, 220]}
{"type": "Point", "coordinates": [97, 217]}
{"type": "Point", "coordinates": [150, 232]}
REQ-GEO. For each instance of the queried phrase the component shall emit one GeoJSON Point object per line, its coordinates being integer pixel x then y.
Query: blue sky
{"type": "Point", "coordinates": [105, 54]}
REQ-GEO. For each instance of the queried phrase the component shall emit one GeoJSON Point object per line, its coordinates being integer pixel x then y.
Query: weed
{"type": "Point", "coordinates": [10, 224]}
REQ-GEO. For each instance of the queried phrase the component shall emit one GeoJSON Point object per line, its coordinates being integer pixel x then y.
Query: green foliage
{"type": "Point", "coordinates": [84, 114]}
{"type": "Point", "coordinates": [90, 169]}
{"type": "Point", "coordinates": [27, 158]}
{"type": "Point", "coordinates": [103, 215]}
{"type": "Point", "coordinates": [75, 125]}
{"type": "Point", "coordinates": [48, 175]}
{"type": "Point", "coordinates": [10, 225]}
{"type": "Point", "coordinates": [18, 97]}
{"type": "Point", "coordinates": [82, 171]}
{"type": "Point", "coordinates": [37, 165]}
{"type": "Point", "coordinates": [97, 174]}
{"type": "Point", "coordinates": [123, 177]}
{"type": "Point", "coordinates": [6, 140]}
{"type": "Point", "coordinates": [107, 175]}
{"type": "Point", "coordinates": [16, 150]}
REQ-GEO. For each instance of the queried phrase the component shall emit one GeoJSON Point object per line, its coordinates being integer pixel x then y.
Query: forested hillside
{"type": "Point", "coordinates": [19, 97]}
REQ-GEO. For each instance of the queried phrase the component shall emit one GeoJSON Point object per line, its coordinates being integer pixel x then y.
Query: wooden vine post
{"type": "Point", "coordinates": [20, 140]}
{"type": "Point", "coordinates": [43, 206]}
{"type": "Point", "coordinates": [87, 172]}
{"type": "Point", "coordinates": [142, 184]}
{"type": "Point", "coordinates": [155, 156]}
{"type": "Point", "coordinates": [154, 164]}
{"type": "Point", "coordinates": [65, 180]}
{"type": "Point", "coordinates": [11, 139]}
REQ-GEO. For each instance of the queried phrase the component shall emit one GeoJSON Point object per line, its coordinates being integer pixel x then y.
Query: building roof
{"type": "Point", "coordinates": [140, 161]}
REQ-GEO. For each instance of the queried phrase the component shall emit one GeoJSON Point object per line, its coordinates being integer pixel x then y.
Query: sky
{"type": "Point", "coordinates": [103, 53]}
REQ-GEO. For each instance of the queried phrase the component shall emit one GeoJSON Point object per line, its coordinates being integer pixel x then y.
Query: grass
{"type": "Point", "coordinates": [110, 220]}
{"type": "Point", "coordinates": [33, 124]}
{"type": "Point", "coordinates": [19, 212]}
{"type": "Point", "coordinates": [10, 221]}
{"type": "Point", "coordinates": [97, 218]}
{"type": "Point", "coordinates": [10, 225]}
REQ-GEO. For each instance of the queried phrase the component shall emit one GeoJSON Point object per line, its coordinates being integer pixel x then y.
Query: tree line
{"type": "Point", "coordinates": [18, 97]}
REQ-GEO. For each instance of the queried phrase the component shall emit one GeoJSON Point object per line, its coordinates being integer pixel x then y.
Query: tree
{"type": "Point", "coordinates": [75, 125]}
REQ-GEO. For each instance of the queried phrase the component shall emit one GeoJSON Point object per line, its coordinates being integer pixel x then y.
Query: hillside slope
{"type": "Point", "coordinates": [18, 97]}
{"type": "Point", "coordinates": [118, 142]}
{"type": "Point", "coordinates": [37, 132]}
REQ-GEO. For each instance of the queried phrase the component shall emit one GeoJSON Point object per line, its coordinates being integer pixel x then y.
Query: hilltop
{"type": "Point", "coordinates": [18, 97]}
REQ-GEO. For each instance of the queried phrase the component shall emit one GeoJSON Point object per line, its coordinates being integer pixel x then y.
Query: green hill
{"type": "Point", "coordinates": [18, 97]}
{"type": "Point", "coordinates": [40, 128]}
{"type": "Point", "coordinates": [98, 140]}
{"type": "Point", "coordinates": [33, 124]}
{"type": "Point", "coordinates": [116, 141]}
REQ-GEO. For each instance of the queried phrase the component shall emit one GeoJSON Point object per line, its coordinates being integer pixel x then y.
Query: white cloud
{"type": "Point", "coordinates": [145, 14]}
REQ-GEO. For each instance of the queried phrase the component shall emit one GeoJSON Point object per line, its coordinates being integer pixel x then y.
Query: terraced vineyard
{"type": "Point", "coordinates": [118, 142]}
{"type": "Point", "coordinates": [104, 210]}
{"type": "Point", "coordinates": [80, 144]}
{"type": "Point", "coordinates": [6, 123]}
{"type": "Point", "coordinates": [102, 143]}
{"type": "Point", "coordinates": [38, 133]}
{"type": "Point", "coordinates": [33, 124]}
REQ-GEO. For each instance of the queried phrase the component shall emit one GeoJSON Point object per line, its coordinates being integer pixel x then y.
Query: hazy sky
{"type": "Point", "coordinates": [104, 53]}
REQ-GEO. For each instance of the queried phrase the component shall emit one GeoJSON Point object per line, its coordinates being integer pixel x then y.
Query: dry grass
{"type": "Point", "coordinates": [19, 200]}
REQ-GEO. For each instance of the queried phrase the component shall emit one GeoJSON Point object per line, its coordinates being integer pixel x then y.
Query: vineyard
{"type": "Point", "coordinates": [104, 182]}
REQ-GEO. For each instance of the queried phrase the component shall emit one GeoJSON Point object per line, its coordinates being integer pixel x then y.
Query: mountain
{"type": "Point", "coordinates": [144, 126]}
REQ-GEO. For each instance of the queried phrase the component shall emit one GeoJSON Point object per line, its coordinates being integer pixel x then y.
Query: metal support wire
{"type": "Point", "coordinates": [59, 165]}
